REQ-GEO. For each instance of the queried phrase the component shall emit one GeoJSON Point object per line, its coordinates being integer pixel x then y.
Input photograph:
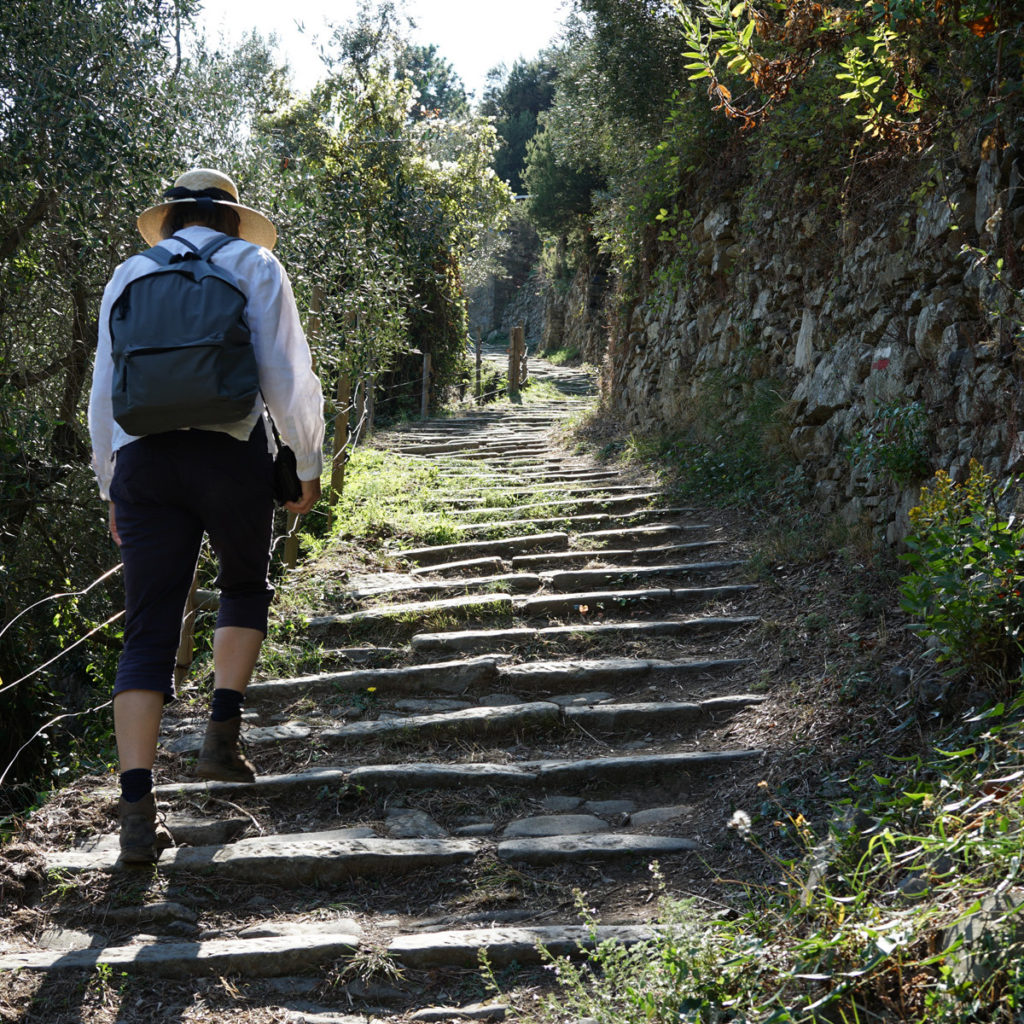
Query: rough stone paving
{"type": "Point", "coordinates": [443, 790]}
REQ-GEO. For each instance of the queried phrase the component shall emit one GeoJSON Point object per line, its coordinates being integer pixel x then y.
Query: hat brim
{"type": "Point", "coordinates": [253, 226]}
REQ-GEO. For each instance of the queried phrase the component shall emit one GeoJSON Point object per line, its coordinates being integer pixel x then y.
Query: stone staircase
{"type": "Point", "coordinates": [543, 706]}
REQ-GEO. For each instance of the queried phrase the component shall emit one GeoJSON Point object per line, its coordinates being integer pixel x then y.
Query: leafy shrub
{"type": "Point", "coordinates": [895, 443]}
{"type": "Point", "coordinates": [965, 580]}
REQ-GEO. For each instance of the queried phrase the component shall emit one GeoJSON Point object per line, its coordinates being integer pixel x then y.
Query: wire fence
{"type": "Point", "coordinates": [361, 403]}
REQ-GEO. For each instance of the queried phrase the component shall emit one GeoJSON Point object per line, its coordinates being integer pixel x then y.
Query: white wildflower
{"type": "Point", "coordinates": [740, 822]}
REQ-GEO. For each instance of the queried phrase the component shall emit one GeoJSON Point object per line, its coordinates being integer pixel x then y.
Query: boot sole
{"type": "Point", "coordinates": [139, 856]}
{"type": "Point", "coordinates": [217, 773]}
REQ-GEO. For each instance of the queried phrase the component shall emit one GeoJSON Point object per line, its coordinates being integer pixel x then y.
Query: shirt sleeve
{"type": "Point", "coordinates": [101, 411]}
{"type": "Point", "coordinates": [290, 387]}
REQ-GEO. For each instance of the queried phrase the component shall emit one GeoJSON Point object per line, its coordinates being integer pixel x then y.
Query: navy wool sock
{"type": "Point", "coordinates": [227, 704]}
{"type": "Point", "coordinates": [136, 783]}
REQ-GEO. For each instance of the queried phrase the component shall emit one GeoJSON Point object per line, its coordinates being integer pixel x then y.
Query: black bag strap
{"type": "Point", "coordinates": [158, 254]}
{"type": "Point", "coordinates": [213, 245]}
{"type": "Point", "coordinates": [273, 425]}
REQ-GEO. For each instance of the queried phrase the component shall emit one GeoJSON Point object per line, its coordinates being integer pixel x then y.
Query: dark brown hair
{"type": "Point", "coordinates": [210, 215]}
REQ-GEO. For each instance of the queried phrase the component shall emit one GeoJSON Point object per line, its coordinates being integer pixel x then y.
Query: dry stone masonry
{"type": "Point", "coordinates": [846, 320]}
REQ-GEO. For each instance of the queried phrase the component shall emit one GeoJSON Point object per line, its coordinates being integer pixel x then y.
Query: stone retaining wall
{"type": "Point", "coordinates": [851, 320]}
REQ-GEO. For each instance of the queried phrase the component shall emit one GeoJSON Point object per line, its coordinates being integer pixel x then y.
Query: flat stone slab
{"type": "Point", "coordinates": [560, 804]}
{"type": "Point", "coordinates": [507, 546]}
{"type": "Point", "coordinates": [279, 929]}
{"type": "Point", "coordinates": [635, 535]}
{"type": "Point", "coordinates": [551, 675]}
{"type": "Point", "coordinates": [658, 815]}
{"type": "Point", "coordinates": [610, 807]}
{"type": "Point", "coordinates": [669, 768]}
{"type": "Point", "coordinates": [219, 957]}
{"type": "Point", "coordinates": [290, 838]}
{"type": "Point", "coordinates": [603, 599]}
{"type": "Point", "coordinates": [441, 776]}
{"type": "Point", "coordinates": [570, 520]}
{"type": "Point", "coordinates": [265, 785]}
{"type": "Point", "coordinates": [474, 1011]}
{"type": "Point", "coordinates": [570, 700]}
{"type": "Point", "coordinates": [469, 565]}
{"type": "Point", "coordinates": [449, 676]}
{"type": "Point", "coordinates": [474, 721]}
{"type": "Point", "coordinates": [412, 823]}
{"type": "Point", "coordinates": [628, 555]}
{"type": "Point", "coordinates": [190, 743]}
{"type": "Point", "coordinates": [613, 718]}
{"type": "Point", "coordinates": [273, 860]}
{"type": "Point", "coordinates": [584, 578]}
{"type": "Point", "coordinates": [510, 581]}
{"type": "Point", "coordinates": [477, 639]}
{"type": "Point", "coordinates": [461, 948]}
{"type": "Point", "coordinates": [554, 825]}
{"type": "Point", "coordinates": [483, 828]}
{"type": "Point", "coordinates": [431, 707]}
{"type": "Point", "coordinates": [558, 849]}
{"type": "Point", "coordinates": [492, 604]}
{"type": "Point", "coordinates": [581, 503]}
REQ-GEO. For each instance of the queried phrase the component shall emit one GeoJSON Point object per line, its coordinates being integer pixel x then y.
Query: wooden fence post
{"type": "Point", "coordinates": [516, 353]}
{"type": "Point", "coordinates": [338, 459]}
{"type": "Point", "coordinates": [425, 397]}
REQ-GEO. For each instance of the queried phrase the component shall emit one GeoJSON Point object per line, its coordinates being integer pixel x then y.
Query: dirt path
{"type": "Point", "coordinates": [545, 707]}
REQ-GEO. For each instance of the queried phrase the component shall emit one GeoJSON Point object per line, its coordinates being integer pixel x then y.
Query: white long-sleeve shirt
{"type": "Point", "coordinates": [289, 385]}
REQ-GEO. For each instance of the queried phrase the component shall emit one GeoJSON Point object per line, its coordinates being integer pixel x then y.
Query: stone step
{"type": "Point", "coordinates": [628, 555]}
{"type": "Point", "coordinates": [459, 677]}
{"type": "Point", "coordinates": [589, 848]}
{"type": "Point", "coordinates": [451, 677]}
{"type": "Point", "coordinates": [489, 723]}
{"type": "Point", "coordinates": [248, 958]}
{"type": "Point", "coordinates": [555, 541]}
{"type": "Point", "coordinates": [470, 723]}
{"type": "Point", "coordinates": [506, 946]}
{"type": "Point", "coordinates": [673, 770]}
{"type": "Point", "coordinates": [583, 578]}
{"type": "Point", "coordinates": [465, 641]}
{"type": "Point", "coordinates": [496, 604]}
{"type": "Point", "coordinates": [503, 581]}
{"type": "Point", "coordinates": [581, 673]}
{"type": "Point", "coordinates": [492, 565]}
{"type": "Point", "coordinates": [288, 860]}
{"type": "Point", "coordinates": [572, 522]}
{"type": "Point", "coordinates": [631, 501]}
{"type": "Point", "coordinates": [613, 557]}
{"type": "Point", "coordinates": [639, 535]}
{"type": "Point", "coordinates": [611, 600]}
{"type": "Point", "coordinates": [470, 606]}
{"type": "Point", "coordinates": [511, 493]}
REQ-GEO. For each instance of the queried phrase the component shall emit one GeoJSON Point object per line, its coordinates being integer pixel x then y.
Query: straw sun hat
{"type": "Point", "coordinates": [206, 185]}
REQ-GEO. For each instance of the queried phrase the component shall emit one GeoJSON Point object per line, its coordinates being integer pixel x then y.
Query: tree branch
{"type": "Point", "coordinates": [11, 242]}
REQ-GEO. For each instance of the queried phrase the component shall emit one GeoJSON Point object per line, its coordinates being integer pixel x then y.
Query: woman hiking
{"type": "Point", "coordinates": [169, 480]}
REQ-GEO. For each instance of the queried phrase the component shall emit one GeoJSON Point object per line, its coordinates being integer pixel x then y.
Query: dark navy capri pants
{"type": "Point", "coordinates": [168, 489]}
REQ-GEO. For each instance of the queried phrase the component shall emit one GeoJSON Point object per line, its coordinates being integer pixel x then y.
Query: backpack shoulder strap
{"type": "Point", "coordinates": [158, 254]}
{"type": "Point", "coordinates": [212, 246]}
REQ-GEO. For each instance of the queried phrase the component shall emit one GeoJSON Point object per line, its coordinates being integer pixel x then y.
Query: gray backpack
{"type": "Point", "coordinates": [181, 347]}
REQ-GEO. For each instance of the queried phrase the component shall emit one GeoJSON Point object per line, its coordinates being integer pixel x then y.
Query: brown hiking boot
{"type": "Point", "coordinates": [221, 758]}
{"type": "Point", "coordinates": [141, 840]}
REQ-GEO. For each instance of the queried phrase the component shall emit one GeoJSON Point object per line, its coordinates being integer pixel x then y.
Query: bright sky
{"type": "Point", "coordinates": [473, 35]}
